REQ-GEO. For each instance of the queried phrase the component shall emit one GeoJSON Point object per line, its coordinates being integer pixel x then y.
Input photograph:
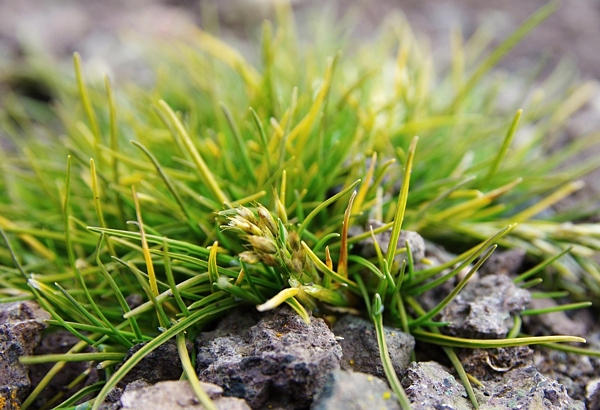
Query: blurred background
{"type": "Point", "coordinates": [93, 27]}
{"type": "Point", "coordinates": [97, 29]}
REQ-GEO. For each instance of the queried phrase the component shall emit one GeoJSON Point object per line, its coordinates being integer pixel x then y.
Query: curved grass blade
{"type": "Point", "coordinates": [325, 204]}
{"type": "Point", "coordinates": [451, 341]}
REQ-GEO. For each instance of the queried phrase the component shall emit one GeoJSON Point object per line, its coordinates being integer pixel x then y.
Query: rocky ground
{"type": "Point", "coordinates": [274, 360]}
{"type": "Point", "coordinates": [277, 361]}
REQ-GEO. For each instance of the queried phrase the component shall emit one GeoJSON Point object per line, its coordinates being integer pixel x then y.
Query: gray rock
{"type": "Point", "coordinates": [360, 349]}
{"type": "Point", "coordinates": [592, 394]}
{"type": "Point", "coordinates": [278, 362]}
{"type": "Point", "coordinates": [176, 395]}
{"type": "Point", "coordinates": [429, 386]}
{"type": "Point", "coordinates": [574, 371]}
{"type": "Point", "coordinates": [526, 388]}
{"type": "Point", "coordinates": [510, 380]}
{"type": "Point", "coordinates": [482, 310]}
{"type": "Point", "coordinates": [355, 391]}
{"type": "Point", "coordinates": [503, 263]}
{"type": "Point", "coordinates": [21, 326]}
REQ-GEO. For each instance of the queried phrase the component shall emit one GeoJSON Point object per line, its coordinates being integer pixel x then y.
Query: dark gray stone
{"type": "Point", "coordinates": [360, 349]}
{"type": "Point", "coordinates": [60, 342]}
{"type": "Point", "coordinates": [161, 364]}
{"type": "Point", "coordinates": [21, 326]}
{"type": "Point", "coordinates": [278, 362]}
{"type": "Point", "coordinates": [429, 386]}
{"type": "Point", "coordinates": [355, 391]}
{"type": "Point", "coordinates": [482, 310]}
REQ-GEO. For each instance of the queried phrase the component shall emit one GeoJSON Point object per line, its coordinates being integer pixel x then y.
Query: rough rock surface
{"type": "Point", "coordinates": [360, 349]}
{"type": "Point", "coordinates": [278, 362]}
{"type": "Point", "coordinates": [159, 365]}
{"type": "Point", "coordinates": [355, 391]}
{"type": "Point", "coordinates": [21, 326]}
{"type": "Point", "coordinates": [482, 310]}
{"type": "Point", "coordinates": [176, 395]}
{"type": "Point", "coordinates": [511, 380]}
{"type": "Point", "coordinates": [573, 371]}
{"type": "Point", "coordinates": [429, 385]}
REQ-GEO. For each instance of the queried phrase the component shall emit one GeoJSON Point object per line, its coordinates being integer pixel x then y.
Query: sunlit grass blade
{"type": "Point", "coordinates": [145, 248]}
{"type": "Point", "coordinates": [470, 257]}
{"type": "Point", "coordinates": [326, 270]}
{"type": "Point", "coordinates": [343, 259]}
{"type": "Point", "coordinates": [401, 204]}
{"type": "Point", "coordinates": [203, 169]}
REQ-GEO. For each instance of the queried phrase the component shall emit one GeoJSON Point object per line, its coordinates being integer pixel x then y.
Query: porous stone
{"type": "Point", "coordinates": [360, 348]}
{"type": "Point", "coordinates": [482, 310]}
{"type": "Point", "coordinates": [510, 380]}
{"type": "Point", "coordinates": [176, 395]}
{"type": "Point", "coordinates": [21, 326]}
{"type": "Point", "coordinates": [526, 388]}
{"type": "Point", "coordinates": [278, 362]}
{"type": "Point", "coordinates": [429, 385]}
{"type": "Point", "coordinates": [355, 391]}
{"type": "Point", "coordinates": [574, 371]}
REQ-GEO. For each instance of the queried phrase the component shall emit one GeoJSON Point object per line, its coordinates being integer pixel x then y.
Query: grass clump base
{"type": "Point", "coordinates": [228, 183]}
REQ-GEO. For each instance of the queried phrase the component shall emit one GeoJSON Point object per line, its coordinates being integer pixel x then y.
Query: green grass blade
{"type": "Point", "coordinates": [191, 375]}
{"type": "Point", "coordinates": [401, 205]}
